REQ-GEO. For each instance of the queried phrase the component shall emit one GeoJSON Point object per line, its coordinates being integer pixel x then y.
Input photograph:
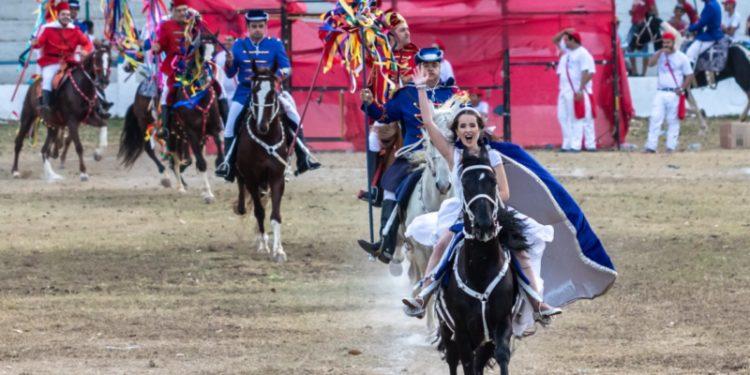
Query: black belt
{"type": "Point", "coordinates": [668, 89]}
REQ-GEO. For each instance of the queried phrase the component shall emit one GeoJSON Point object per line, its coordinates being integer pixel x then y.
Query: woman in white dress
{"type": "Point", "coordinates": [468, 128]}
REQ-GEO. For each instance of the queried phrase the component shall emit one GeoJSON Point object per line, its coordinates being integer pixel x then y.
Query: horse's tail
{"type": "Point", "coordinates": [132, 139]}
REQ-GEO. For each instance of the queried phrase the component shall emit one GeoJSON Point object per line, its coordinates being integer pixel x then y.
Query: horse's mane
{"type": "Point", "coordinates": [511, 235]}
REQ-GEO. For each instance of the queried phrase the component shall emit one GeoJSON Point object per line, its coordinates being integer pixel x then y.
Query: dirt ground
{"type": "Point", "coordinates": [120, 276]}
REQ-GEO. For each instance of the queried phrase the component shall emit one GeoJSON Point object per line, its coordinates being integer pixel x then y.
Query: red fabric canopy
{"type": "Point", "coordinates": [475, 34]}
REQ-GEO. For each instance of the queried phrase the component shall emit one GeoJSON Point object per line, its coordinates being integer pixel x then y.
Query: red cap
{"type": "Point", "coordinates": [179, 3]}
{"type": "Point", "coordinates": [393, 19]}
{"type": "Point", "coordinates": [476, 91]}
{"type": "Point", "coordinates": [670, 36]}
{"type": "Point", "coordinates": [575, 35]}
{"type": "Point", "coordinates": [62, 6]}
{"type": "Point", "coordinates": [730, 2]}
{"type": "Point", "coordinates": [440, 44]}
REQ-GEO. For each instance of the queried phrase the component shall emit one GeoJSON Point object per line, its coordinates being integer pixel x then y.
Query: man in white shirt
{"type": "Point", "coordinates": [731, 21]}
{"type": "Point", "coordinates": [674, 76]}
{"type": "Point", "coordinates": [575, 71]}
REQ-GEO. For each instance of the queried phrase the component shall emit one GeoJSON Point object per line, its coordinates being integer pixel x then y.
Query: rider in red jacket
{"type": "Point", "coordinates": [59, 41]}
{"type": "Point", "coordinates": [170, 38]}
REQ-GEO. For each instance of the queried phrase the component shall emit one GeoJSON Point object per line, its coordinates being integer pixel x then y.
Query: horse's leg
{"type": "Point", "coordinates": [465, 354]}
{"type": "Point", "coordinates": [481, 356]}
{"type": "Point", "coordinates": [73, 128]}
{"type": "Point", "coordinates": [102, 143]}
{"type": "Point", "coordinates": [27, 121]}
{"type": "Point", "coordinates": [49, 173]}
{"type": "Point", "coordinates": [277, 191]}
{"type": "Point", "coordinates": [176, 167]}
{"type": "Point", "coordinates": [152, 155]}
{"type": "Point", "coordinates": [503, 334]}
{"type": "Point", "coordinates": [240, 207]}
{"type": "Point", "coordinates": [65, 148]}
{"type": "Point", "coordinates": [260, 215]}
{"type": "Point", "coordinates": [451, 349]}
{"type": "Point", "coordinates": [743, 117]}
{"type": "Point", "coordinates": [701, 119]}
{"type": "Point", "coordinates": [200, 163]}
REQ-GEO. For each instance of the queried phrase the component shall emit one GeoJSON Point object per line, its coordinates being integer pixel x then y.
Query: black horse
{"type": "Point", "coordinates": [481, 292]}
{"type": "Point", "coordinates": [649, 31]}
{"type": "Point", "coordinates": [737, 67]}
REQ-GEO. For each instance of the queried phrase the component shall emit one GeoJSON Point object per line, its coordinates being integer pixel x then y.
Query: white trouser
{"type": "Point", "coordinates": [235, 108]}
{"type": "Point", "coordinates": [164, 89]}
{"type": "Point", "coordinates": [48, 73]}
{"type": "Point", "coordinates": [574, 130]}
{"type": "Point", "coordinates": [697, 48]}
{"type": "Point", "coordinates": [665, 105]}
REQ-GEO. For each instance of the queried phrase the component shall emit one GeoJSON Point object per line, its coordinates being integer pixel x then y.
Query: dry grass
{"type": "Point", "coordinates": [119, 276]}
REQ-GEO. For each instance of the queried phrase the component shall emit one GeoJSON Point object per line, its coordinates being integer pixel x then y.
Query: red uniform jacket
{"type": "Point", "coordinates": [170, 36]}
{"type": "Point", "coordinates": [59, 43]}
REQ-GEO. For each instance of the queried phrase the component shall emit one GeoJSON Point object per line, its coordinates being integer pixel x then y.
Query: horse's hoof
{"type": "Point", "coordinates": [167, 183]}
{"type": "Point", "coordinates": [62, 165]}
{"type": "Point", "coordinates": [16, 174]}
{"type": "Point", "coordinates": [97, 156]}
{"type": "Point", "coordinates": [208, 199]}
{"type": "Point", "coordinates": [238, 210]}
{"type": "Point", "coordinates": [84, 177]}
{"type": "Point", "coordinates": [395, 269]}
{"type": "Point", "coordinates": [279, 256]}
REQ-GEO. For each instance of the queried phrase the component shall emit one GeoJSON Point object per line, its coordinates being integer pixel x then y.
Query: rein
{"type": "Point", "coordinates": [90, 101]}
{"type": "Point", "coordinates": [256, 110]}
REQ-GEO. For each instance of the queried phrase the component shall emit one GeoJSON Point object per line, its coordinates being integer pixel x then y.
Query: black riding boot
{"type": "Point", "coordinates": [224, 110]}
{"type": "Point", "coordinates": [374, 193]}
{"type": "Point", "coordinates": [384, 248]}
{"type": "Point", "coordinates": [101, 110]}
{"type": "Point", "coordinates": [304, 161]}
{"type": "Point", "coordinates": [45, 103]}
{"type": "Point", "coordinates": [226, 169]}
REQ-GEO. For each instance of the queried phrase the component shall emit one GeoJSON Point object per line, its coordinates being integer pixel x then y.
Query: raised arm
{"type": "Point", "coordinates": [425, 107]}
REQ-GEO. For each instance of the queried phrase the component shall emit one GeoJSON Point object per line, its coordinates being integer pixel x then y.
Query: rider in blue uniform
{"type": "Point", "coordinates": [403, 107]}
{"type": "Point", "coordinates": [265, 51]}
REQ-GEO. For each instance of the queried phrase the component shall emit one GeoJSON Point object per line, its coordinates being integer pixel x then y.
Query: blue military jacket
{"type": "Point", "coordinates": [708, 26]}
{"type": "Point", "coordinates": [264, 54]}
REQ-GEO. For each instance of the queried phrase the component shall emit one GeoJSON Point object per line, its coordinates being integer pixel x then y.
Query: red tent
{"type": "Point", "coordinates": [476, 34]}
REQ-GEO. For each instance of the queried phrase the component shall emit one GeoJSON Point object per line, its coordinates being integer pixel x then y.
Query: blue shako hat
{"type": "Point", "coordinates": [256, 15]}
{"type": "Point", "coordinates": [429, 55]}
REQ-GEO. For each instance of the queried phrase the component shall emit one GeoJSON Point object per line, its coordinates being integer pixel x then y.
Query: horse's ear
{"type": "Point", "coordinates": [466, 154]}
{"type": "Point", "coordinates": [274, 67]}
{"type": "Point", "coordinates": [484, 154]}
{"type": "Point", "coordinates": [254, 66]}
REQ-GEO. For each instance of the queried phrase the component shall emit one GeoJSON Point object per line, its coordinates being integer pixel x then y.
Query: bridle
{"type": "Point", "coordinates": [495, 201]}
{"type": "Point", "coordinates": [256, 109]}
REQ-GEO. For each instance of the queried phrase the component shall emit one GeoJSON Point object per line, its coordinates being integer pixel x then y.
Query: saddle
{"type": "Point", "coordinates": [715, 58]}
{"type": "Point", "coordinates": [60, 78]}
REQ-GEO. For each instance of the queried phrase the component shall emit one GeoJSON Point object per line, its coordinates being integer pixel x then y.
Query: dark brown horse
{"type": "Point", "coordinates": [261, 147]}
{"type": "Point", "coordinates": [189, 128]}
{"type": "Point", "coordinates": [74, 102]}
{"type": "Point", "coordinates": [477, 303]}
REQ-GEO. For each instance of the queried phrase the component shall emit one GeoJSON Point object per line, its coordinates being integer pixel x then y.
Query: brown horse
{"type": "Point", "coordinates": [134, 138]}
{"type": "Point", "coordinates": [260, 164]}
{"type": "Point", "coordinates": [188, 130]}
{"type": "Point", "coordinates": [75, 102]}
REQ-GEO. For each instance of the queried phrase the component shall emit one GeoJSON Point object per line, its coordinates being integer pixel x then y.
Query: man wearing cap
{"type": "Point", "coordinates": [731, 21]}
{"type": "Point", "coordinates": [58, 41]}
{"type": "Point", "coordinates": [265, 52]}
{"type": "Point", "coordinates": [170, 40]}
{"type": "Point", "coordinates": [475, 98]}
{"type": "Point", "coordinates": [575, 71]}
{"type": "Point", "coordinates": [708, 29]}
{"type": "Point", "coordinates": [402, 108]}
{"type": "Point", "coordinates": [674, 76]}
{"type": "Point", "coordinates": [75, 6]}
